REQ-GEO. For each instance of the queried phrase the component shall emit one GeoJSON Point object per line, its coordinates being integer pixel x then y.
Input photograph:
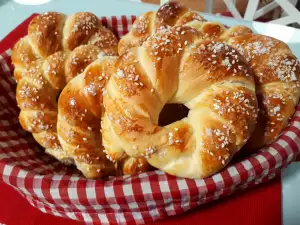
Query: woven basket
{"type": "Point", "coordinates": [53, 188]}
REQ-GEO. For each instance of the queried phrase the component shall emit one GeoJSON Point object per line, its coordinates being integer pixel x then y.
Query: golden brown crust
{"type": "Point", "coordinates": [54, 69]}
{"type": "Point", "coordinates": [141, 30]}
{"type": "Point", "coordinates": [235, 31]}
{"type": "Point", "coordinates": [142, 26]}
{"type": "Point", "coordinates": [79, 28]}
{"type": "Point", "coordinates": [212, 30]}
{"type": "Point", "coordinates": [132, 165]}
{"type": "Point", "coordinates": [46, 32]}
{"type": "Point", "coordinates": [189, 17]}
{"type": "Point", "coordinates": [169, 13]}
{"type": "Point", "coordinates": [23, 53]}
{"type": "Point", "coordinates": [80, 58]}
{"type": "Point", "coordinates": [218, 146]}
{"type": "Point", "coordinates": [105, 40]}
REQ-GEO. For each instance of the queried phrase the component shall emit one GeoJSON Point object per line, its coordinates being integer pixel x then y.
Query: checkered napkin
{"type": "Point", "coordinates": [53, 188]}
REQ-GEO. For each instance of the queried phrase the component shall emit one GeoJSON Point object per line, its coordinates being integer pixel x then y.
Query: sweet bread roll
{"type": "Point", "coordinates": [176, 65]}
{"type": "Point", "coordinates": [56, 49]}
{"type": "Point", "coordinates": [80, 108]}
{"type": "Point", "coordinates": [276, 69]}
{"type": "Point", "coordinates": [277, 73]}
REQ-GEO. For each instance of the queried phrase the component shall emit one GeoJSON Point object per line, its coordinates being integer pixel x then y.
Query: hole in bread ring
{"type": "Point", "coordinates": [172, 113]}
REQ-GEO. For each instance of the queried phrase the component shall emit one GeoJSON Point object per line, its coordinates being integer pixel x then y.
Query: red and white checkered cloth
{"type": "Point", "coordinates": [53, 188]}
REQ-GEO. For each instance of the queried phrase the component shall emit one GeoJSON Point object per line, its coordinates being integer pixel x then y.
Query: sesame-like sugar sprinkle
{"type": "Point", "coordinates": [276, 109]}
{"type": "Point", "coordinates": [208, 131]}
{"type": "Point", "coordinates": [74, 61]}
{"type": "Point", "coordinates": [277, 96]}
{"type": "Point", "coordinates": [170, 137]}
{"type": "Point", "coordinates": [217, 47]}
{"type": "Point", "coordinates": [149, 151]}
{"type": "Point", "coordinates": [85, 24]}
{"type": "Point", "coordinates": [160, 44]}
{"type": "Point", "coordinates": [119, 74]}
{"type": "Point", "coordinates": [242, 105]}
{"type": "Point", "coordinates": [72, 102]}
{"type": "Point", "coordinates": [257, 48]}
{"type": "Point", "coordinates": [91, 89]}
{"type": "Point", "coordinates": [284, 68]}
{"type": "Point", "coordinates": [162, 153]}
{"type": "Point", "coordinates": [70, 135]}
{"type": "Point", "coordinates": [222, 137]}
{"type": "Point", "coordinates": [226, 63]}
{"type": "Point", "coordinates": [108, 156]}
{"type": "Point", "coordinates": [141, 24]}
{"type": "Point", "coordinates": [28, 91]}
{"type": "Point", "coordinates": [101, 55]}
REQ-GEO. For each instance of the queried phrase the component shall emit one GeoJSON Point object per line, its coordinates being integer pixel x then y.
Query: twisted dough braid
{"type": "Point", "coordinates": [170, 14]}
{"type": "Point", "coordinates": [175, 14]}
{"type": "Point", "coordinates": [275, 70]}
{"type": "Point", "coordinates": [80, 110]}
{"type": "Point", "coordinates": [177, 66]}
{"type": "Point", "coordinates": [56, 49]}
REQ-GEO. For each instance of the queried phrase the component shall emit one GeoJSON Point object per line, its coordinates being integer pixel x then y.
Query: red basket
{"type": "Point", "coordinates": [56, 189]}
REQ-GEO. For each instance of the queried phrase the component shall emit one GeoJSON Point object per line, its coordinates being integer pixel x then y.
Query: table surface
{"type": "Point", "coordinates": [14, 13]}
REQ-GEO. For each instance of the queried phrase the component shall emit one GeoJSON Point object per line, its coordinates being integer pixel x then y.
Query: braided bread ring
{"type": "Point", "coordinates": [277, 77]}
{"type": "Point", "coordinates": [177, 66]}
{"type": "Point", "coordinates": [79, 109]}
{"type": "Point", "coordinates": [277, 73]}
{"type": "Point", "coordinates": [56, 49]}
